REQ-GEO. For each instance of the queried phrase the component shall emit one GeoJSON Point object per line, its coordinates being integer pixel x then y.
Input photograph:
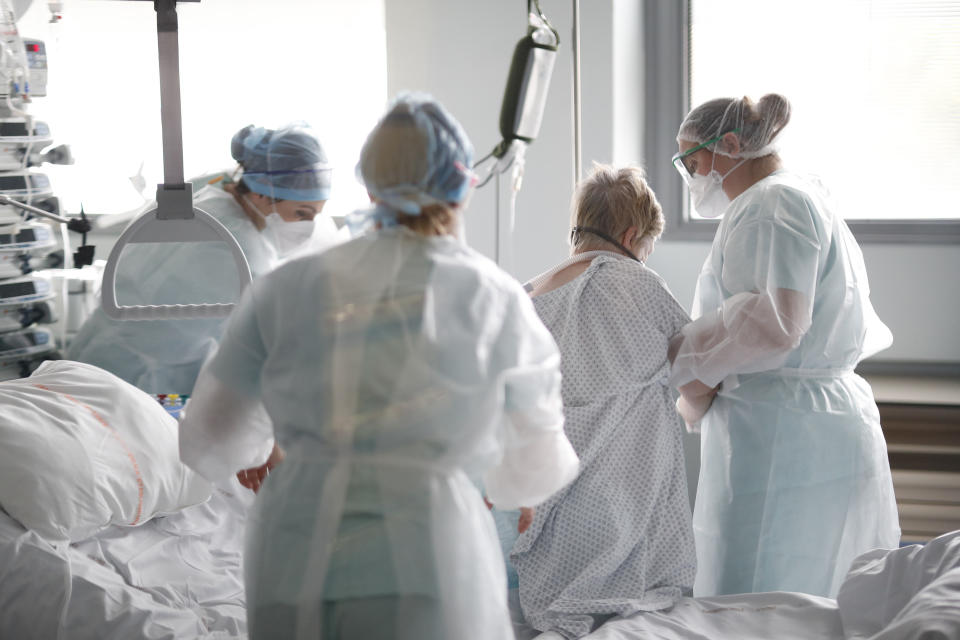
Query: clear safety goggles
{"type": "Point", "coordinates": [680, 159]}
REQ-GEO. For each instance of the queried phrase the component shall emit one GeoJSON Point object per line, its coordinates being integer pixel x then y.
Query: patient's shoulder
{"type": "Point", "coordinates": [631, 274]}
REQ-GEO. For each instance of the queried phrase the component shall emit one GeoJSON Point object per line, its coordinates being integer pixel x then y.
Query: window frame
{"type": "Point", "coordinates": [666, 48]}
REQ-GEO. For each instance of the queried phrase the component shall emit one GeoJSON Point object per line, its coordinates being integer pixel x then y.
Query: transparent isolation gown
{"type": "Point", "coordinates": [165, 356]}
{"type": "Point", "coordinates": [794, 477]}
{"type": "Point", "coordinates": [399, 372]}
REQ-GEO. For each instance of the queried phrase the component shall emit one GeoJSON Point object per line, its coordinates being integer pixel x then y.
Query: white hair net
{"type": "Point", "coordinates": [417, 155]}
{"type": "Point", "coordinates": [756, 125]}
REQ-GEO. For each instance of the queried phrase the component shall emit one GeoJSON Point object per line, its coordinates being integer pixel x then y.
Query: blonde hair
{"type": "Point", "coordinates": [613, 200]}
{"type": "Point", "coordinates": [433, 220]}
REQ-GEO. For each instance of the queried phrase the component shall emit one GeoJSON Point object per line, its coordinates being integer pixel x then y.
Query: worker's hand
{"type": "Point", "coordinates": [693, 408]}
{"type": "Point", "coordinates": [487, 502]}
{"type": "Point", "coordinates": [696, 391]}
{"type": "Point", "coordinates": [526, 519]}
{"type": "Point", "coordinates": [254, 477]}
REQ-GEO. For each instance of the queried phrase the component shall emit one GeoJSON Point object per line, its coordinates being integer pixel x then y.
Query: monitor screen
{"type": "Point", "coordinates": [16, 289]}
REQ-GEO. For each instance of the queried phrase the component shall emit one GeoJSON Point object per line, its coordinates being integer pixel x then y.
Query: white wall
{"type": "Point", "coordinates": [460, 52]}
{"type": "Point", "coordinates": [323, 62]}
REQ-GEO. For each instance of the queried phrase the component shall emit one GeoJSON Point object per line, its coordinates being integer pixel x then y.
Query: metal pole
{"type": "Point", "coordinates": [7, 200]}
{"type": "Point", "coordinates": [171, 119]}
{"type": "Point", "coordinates": [576, 92]}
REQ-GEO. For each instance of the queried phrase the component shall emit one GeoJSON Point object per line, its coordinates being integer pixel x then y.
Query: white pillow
{"type": "Point", "coordinates": [81, 449]}
{"type": "Point", "coordinates": [932, 614]}
{"type": "Point", "coordinates": [882, 582]}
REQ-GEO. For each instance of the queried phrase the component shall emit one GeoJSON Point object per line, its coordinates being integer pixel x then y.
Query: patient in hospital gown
{"type": "Point", "coordinates": [617, 540]}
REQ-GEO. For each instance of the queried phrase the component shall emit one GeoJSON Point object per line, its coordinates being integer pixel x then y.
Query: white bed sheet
{"type": "Point", "coordinates": [752, 616]}
{"type": "Point", "coordinates": [910, 593]}
{"type": "Point", "coordinates": [757, 616]}
{"type": "Point", "coordinates": [179, 576]}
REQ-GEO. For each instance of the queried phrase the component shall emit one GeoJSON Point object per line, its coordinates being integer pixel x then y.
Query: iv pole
{"type": "Point", "coordinates": [577, 169]}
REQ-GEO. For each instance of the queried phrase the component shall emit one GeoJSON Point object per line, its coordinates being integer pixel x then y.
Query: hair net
{"type": "Point", "coordinates": [757, 125]}
{"type": "Point", "coordinates": [286, 163]}
{"type": "Point", "coordinates": [417, 155]}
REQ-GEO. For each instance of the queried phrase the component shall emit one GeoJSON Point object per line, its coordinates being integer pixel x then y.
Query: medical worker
{"type": "Point", "coordinates": [272, 210]}
{"type": "Point", "coordinates": [794, 478]}
{"type": "Point", "coordinates": [399, 371]}
{"type": "Point", "coordinates": [618, 539]}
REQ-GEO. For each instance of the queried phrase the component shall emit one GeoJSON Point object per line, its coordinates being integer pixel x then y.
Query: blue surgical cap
{"type": "Point", "coordinates": [286, 163]}
{"type": "Point", "coordinates": [417, 155]}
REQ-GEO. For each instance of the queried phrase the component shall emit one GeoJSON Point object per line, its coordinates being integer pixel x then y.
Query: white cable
{"type": "Point", "coordinates": [516, 182]}
{"type": "Point", "coordinates": [25, 161]}
{"type": "Point", "coordinates": [64, 288]}
{"type": "Point", "coordinates": [29, 183]}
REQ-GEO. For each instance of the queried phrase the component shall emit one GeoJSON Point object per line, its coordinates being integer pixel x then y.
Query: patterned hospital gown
{"type": "Point", "coordinates": [617, 540]}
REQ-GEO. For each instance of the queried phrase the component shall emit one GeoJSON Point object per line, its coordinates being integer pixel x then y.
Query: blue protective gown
{"type": "Point", "coordinates": [165, 356]}
{"type": "Point", "coordinates": [794, 478]}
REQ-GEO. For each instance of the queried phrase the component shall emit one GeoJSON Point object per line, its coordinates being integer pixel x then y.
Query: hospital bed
{"type": "Point", "coordinates": [136, 560]}
{"type": "Point", "coordinates": [181, 577]}
{"type": "Point", "coordinates": [911, 593]}
{"type": "Point", "coordinates": [174, 577]}
{"type": "Point", "coordinates": [104, 533]}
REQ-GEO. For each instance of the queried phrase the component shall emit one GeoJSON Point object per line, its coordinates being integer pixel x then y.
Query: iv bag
{"type": "Point", "coordinates": [525, 96]}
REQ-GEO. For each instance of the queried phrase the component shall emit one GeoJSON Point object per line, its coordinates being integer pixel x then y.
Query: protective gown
{"type": "Point", "coordinates": [399, 373]}
{"type": "Point", "coordinates": [794, 476]}
{"type": "Point", "coordinates": [618, 539]}
{"type": "Point", "coordinates": [165, 356]}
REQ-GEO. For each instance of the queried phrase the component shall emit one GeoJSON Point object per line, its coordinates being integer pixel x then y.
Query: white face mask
{"type": "Point", "coordinates": [706, 191]}
{"type": "Point", "coordinates": [285, 237]}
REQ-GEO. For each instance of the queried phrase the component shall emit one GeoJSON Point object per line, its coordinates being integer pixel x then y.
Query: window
{"type": "Point", "coordinates": [241, 62]}
{"type": "Point", "coordinates": [874, 86]}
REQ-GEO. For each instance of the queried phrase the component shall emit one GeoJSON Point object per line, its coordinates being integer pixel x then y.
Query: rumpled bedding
{"type": "Point", "coordinates": [911, 593]}
{"type": "Point", "coordinates": [178, 576]}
